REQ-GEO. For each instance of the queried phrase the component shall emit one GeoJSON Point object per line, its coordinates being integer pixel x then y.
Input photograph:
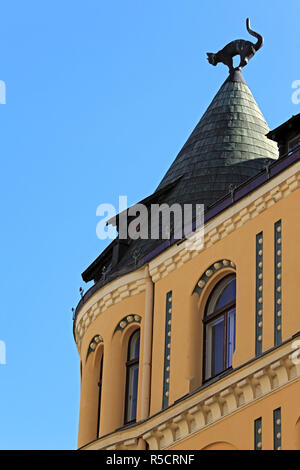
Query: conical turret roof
{"type": "Point", "coordinates": [228, 146]}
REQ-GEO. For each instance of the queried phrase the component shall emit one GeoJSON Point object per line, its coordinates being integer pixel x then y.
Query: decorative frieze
{"type": "Point", "coordinates": [277, 428]}
{"type": "Point", "coordinates": [167, 354]}
{"type": "Point", "coordinates": [127, 321]}
{"type": "Point", "coordinates": [213, 269]}
{"type": "Point", "coordinates": [103, 303]}
{"type": "Point", "coordinates": [277, 283]}
{"type": "Point", "coordinates": [259, 295]}
{"type": "Point", "coordinates": [224, 403]}
{"type": "Point", "coordinates": [258, 434]}
{"type": "Point", "coordinates": [195, 413]}
{"type": "Point", "coordinates": [94, 343]}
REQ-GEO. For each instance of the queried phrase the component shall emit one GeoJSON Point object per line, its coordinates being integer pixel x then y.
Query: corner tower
{"type": "Point", "coordinates": [191, 349]}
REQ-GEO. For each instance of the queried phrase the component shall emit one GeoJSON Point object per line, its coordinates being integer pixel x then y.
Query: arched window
{"type": "Point", "coordinates": [132, 377]}
{"type": "Point", "coordinates": [219, 327]}
{"type": "Point", "coordinates": [99, 394]}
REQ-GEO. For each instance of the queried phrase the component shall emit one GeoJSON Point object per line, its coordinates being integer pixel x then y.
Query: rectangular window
{"type": "Point", "coordinates": [215, 346]}
{"type": "Point", "coordinates": [133, 378]}
{"type": "Point", "coordinates": [230, 337]}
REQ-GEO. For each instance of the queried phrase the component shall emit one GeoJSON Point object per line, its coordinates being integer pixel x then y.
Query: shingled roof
{"type": "Point", "coordinates": [227, 147]}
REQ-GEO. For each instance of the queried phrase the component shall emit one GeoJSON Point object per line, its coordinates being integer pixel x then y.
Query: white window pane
{"type": "Point", "coordinates": [214, 347]}
{"type": "Point", "coordinates": [230, 337]}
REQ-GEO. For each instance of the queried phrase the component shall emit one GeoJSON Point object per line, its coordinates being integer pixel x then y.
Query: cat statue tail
{"type": "Point", "coordinates": [260, 39]}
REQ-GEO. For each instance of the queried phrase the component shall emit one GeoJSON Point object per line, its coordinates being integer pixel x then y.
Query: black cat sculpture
{"type": "Point", "coordinates": [245, 49]}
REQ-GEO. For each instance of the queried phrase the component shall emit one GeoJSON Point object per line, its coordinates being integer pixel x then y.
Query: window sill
{"type": "Point", "coordinates": [217, 377]}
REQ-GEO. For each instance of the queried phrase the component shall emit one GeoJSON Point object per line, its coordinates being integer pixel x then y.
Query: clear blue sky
{"type": "Point", "coordinates": [101, 95]}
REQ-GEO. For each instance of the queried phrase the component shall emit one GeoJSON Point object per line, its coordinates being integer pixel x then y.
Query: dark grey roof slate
{"type": "Point", "coordinates": [227, 147]}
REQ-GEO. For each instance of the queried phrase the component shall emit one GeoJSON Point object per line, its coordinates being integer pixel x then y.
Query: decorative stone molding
{"type": "Point", "coordinates": [100, 305]}
{"type": "Point", "coordinates": [127, 321]}
{"type": "Point", "coordinates": [278, 282]}
{"type": "Point", "coordinates": [231, 219]}
{"type": "Point", "coordinates": [167, 353]}
{"type": "Point", "coordinates": [213, 269]}
{"type": "Point", "coordinates": [277, 428]}
{"type": "Point", "coordinates": [255, 381]}
{"type": "Point", "coordinates": [259, 294]}
{"type": "Point", "coordinates": [223, 404]}
{"type": "Point", "coordinates": [258, 434]}
{"type": "Point", "coordinates": [93, 344]}
{"type": "Point", "coordinates": [129, 444]}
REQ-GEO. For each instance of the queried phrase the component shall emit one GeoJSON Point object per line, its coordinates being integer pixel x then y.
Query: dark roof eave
{"type": "Point", "coordinates": [89, 272]}
{"type": "Point", "coordinates": [146, 201]}
{"type": "Point", "coordinates": [278, 131]}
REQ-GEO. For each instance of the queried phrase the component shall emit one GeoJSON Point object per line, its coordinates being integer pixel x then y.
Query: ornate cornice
{"type": "Point", "coordinates": [228, 221]}
{"type": "Point", "coordinates": [97, 339]}
{"type": "Point", "coordinates": [211, 271]}
{"type": "Point", "coordinates": [128, 320]}
{"type": "Point", "coordinates": [113, 293]}
{"type": "Point", "coordinates": [254, 381]}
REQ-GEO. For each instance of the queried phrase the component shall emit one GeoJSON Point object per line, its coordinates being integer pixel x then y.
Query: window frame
{"type": "Point", "coordinates": [209, 318]}
{"type": "Point", "coordinates": [99, 383]}
{"type": "Point", "coordinates": [130, 363]}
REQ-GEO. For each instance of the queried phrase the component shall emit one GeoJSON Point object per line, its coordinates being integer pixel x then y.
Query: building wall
{"type": "Point", "coordinates": [231, 236]}
{"type": "Point", "coordinates": [114, 348]}
{"type": "Point", "coordinates": [241, 425]}
{"type": "Point", "coordinates": [239, 247]}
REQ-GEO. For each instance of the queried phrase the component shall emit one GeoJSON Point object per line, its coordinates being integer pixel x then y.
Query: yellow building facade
{"type": "Point", "coordinates": [198, 348]}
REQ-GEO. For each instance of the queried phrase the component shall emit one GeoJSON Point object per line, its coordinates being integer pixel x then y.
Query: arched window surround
{"type": "Point", "coordinates": [198, 300]}
{"type": "Point", "coordinates": [93, 347]}
{"type": "Point", "coordinates": [211, 276]}
{"type": "Point", "coordinates": [211, 282]}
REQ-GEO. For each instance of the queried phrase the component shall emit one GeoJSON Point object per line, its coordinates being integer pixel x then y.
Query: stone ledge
{"type": "Point", "coordinates": [232, 393]}
{"type": "Point", "coordinates": [102, 304]}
